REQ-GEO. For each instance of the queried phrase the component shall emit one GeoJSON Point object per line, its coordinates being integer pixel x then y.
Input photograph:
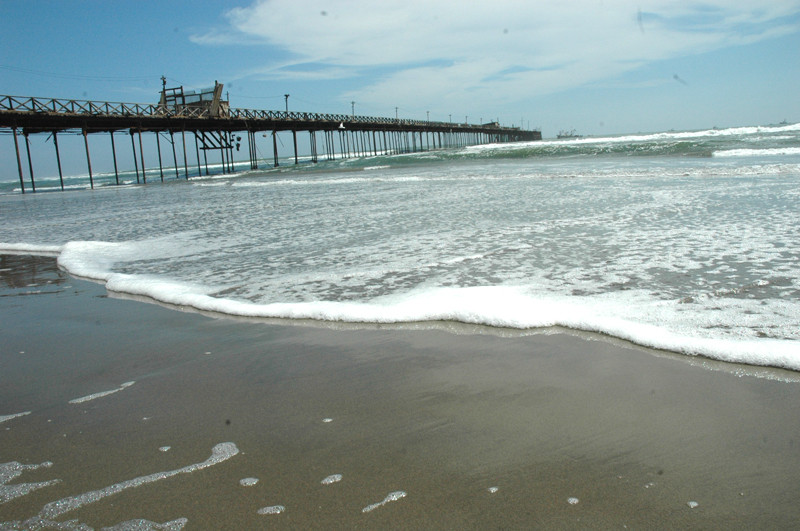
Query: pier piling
{"type": "Point", "coordinates": [141, 155]}
{"type": "Point", "coordinates": [185, 162]}
{"type": "Point", "coordinates": [19, 162]}
{"type": "Point", "coordinates": [135, 160]}
{"type": "Point", "coordinates": [158, 149]}
{"type": "Point", "coordinates": [215, 125]}
{"type": "Point", "coordinates": [58, 160]}
{"type": "Point", "coordinates": [114, 156]}
{"type": "Point", "coordinates": [30, 163]}
{"type": "Point", "coordinates": [174, 155]}
{"type": "Point", "coordinates": [89, 158]}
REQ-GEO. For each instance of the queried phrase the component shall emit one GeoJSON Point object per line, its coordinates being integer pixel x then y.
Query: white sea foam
{"type": "Point", "coordinates": [147, 525]}
{"type": "Point", "coordinates": [272, 509]}
{"type": "Point", "coordinates": [618, 315]}
{"type": "Point", "coordinates": [96, 259]}
{"type": "Point", "coordinates": [333, 478]}
{"type": "Point", "coordinates": [757, 152]}
{"type": "Point", "coordinates": [340, 181]}
{"type": "Point", "coordinates": [37, 523]}
{"type": "Point", "coordinates": [201, 184]}
{"type": "Point", "coordinates": [572, 501]}
{"type": "Point", "coordinates": [392, 496]}
{"type": "Point", "coordinates": [220, 453]}
{"type": "Point", "coordinates": [11, 471]}
{"type": "Point", "coordinates": [248, 482]}
{"type": "Point", "coordinates": [44, 520]}
{"type": "Point", "coordinates": [646, 137]}
{"type": "Point", "coordinates": [5, 418]}
{"type": "Point", "coordinates": [495, 306]}
{"type": "Point", "coordinates": [499, 306]}
{"type": "Point", "coordinates": [101, 394]}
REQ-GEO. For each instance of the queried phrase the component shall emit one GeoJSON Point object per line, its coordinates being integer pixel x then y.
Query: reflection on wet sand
{"type": "Point", "coordinates": [23, 272]}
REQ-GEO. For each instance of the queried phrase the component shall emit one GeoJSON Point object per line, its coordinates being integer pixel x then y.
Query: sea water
{"type": "Point", "coordinates": [684, 241]}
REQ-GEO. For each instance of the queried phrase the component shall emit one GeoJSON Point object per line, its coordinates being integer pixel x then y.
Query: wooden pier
{"type": "Point", "coordinates": [218, 128]}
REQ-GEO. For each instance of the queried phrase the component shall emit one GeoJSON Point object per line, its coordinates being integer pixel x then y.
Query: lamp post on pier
{"type": "Point", "coordinates": [286, 97]}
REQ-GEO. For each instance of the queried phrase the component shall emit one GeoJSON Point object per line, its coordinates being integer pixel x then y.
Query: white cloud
{"type": "Point", "coordinates": [300, 72]}
{"type": "Point", "coordinates": [509, 49]}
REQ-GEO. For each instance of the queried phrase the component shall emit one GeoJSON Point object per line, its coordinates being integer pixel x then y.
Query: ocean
{"type": "Point", "coordinates": [682, 241]}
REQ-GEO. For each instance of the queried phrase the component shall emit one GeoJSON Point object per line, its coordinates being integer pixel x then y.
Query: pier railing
{"type": "Point", "coordinates": [144, 110]}
{"type": "Point", "coordinates": [91, 108]}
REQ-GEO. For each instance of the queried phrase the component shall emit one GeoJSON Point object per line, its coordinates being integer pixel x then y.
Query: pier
{"type": "Point", "coordinates": [203, 119]}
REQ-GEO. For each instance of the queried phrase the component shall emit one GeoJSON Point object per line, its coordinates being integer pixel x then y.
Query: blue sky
{"type": "Point", "coordinates": [596, 66]}
{"type": "Point", "coordinates": [600, 66]}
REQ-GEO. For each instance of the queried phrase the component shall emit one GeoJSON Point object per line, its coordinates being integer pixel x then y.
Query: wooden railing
{"type": "Point", "coordinates": [144, 110]}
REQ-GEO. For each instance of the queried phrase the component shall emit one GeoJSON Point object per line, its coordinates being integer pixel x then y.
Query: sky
{"type": "Point", "coordinates": [597, 66]}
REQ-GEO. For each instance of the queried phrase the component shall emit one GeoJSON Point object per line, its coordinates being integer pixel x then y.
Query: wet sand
{"type": "Point", "coordinates": [478, 428]}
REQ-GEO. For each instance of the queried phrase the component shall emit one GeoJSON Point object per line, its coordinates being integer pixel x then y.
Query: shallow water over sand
{"type": "Point", "coordinates": [476, 430]}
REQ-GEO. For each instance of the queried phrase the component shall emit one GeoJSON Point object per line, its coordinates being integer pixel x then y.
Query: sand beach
{"type": "Point", "coordinates": [134, 411]}
{"type": "Point", "coordinates": [264, 266]}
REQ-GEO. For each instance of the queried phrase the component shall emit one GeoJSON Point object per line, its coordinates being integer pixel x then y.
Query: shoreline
{"type": "Point", "coordinates": [442, 415]}
{"type": "Point", "coordinates": [461, 328]}
{"type": "Point", "coordinates": [766, 357]}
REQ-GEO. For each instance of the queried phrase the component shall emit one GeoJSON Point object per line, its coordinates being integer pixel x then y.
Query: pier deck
{"type": "Point", "coordinates": [216, 130]}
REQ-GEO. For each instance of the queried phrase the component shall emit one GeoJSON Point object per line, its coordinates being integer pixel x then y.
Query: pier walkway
{"type": "Point", "coordinates": [216, 127]}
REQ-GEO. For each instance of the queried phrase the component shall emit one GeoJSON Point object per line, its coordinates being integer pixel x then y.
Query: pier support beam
{"type": "Point", "coordinates": [160, 162]}
{"type": "Point", "coordinates": [114, 156]}
{"type": "Point", "coordinates": [135, 160]}
{"type": "Point", "coordinates": [30, 164]}
{"type": "Point", "coordinates": [229, 149]}
{"type": "Point", "coordinates": [174, 155]}
{"type": "Point", "coordinates": [88, 158]}
{"type": "Point", "coordinates": [275, 147]}
{"type": "Point", "coordinates": [250, 149]}
{"type": "Point", "coordinates": [141, 155]}
{"type": "Point", "coordinates": [223, 153]}
{"type": "Point", "coordinates": [205, 151]}
{"type": "Point", "coordinates": [19, 162]}
{"type": "Point", "coordinates": [58, 160]}
{"type": "Point", "coordinates": [197, 154]}
{"type": "Point", "coordinates": [185, 161]}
